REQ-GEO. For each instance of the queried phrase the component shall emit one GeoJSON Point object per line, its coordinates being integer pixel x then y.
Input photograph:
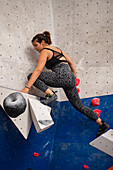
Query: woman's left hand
{"type": "Point", "coordinates": [25, 90]}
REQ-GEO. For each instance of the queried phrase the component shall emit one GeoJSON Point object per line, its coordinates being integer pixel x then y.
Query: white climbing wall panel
{"type": "Point", "coordinates": [82, 29]}
{"type": "Point", "coordinates": [104, 142]}
{"type": "Point", "coordinates": [93, 41]}
{"type": "Point", "coordinates": [20, 21]}
{"type": "Point", "coordinates": [88, 39]}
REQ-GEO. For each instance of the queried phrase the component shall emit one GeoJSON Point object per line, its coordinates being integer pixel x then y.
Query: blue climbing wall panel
{"type": "Point", "coordinates": [71, 149]}
{"type": "Point", "coordinates": [63, 146]}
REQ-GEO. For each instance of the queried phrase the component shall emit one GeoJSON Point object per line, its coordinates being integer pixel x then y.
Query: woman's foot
{"type": "Point", "coordinates": [49, 99]}
{"type": "Point", "coordinates": [102, 129]}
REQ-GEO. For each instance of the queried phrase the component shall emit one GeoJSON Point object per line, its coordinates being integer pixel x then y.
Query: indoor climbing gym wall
{"type": "Point", "coordinates": [57, 137]}
{"type": "Point", "coordinates": [20, 21]}
{"type": "Point", "coordinates": [83, 30]}
{"type": "Point", "coordinates": [86, 34]}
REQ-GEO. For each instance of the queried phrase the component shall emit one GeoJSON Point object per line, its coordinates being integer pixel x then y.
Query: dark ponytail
{"type": "Point", "coordinates": [48, 36]}
{"type": "Point", "coordinates": [44, 36]}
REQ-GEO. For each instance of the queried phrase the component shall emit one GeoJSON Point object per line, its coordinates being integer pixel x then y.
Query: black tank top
{"type": "Point", "coordinates": [55, 59]}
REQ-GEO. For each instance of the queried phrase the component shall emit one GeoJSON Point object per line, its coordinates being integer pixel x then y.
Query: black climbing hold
{"type": "Point", "coordinates": [14, 104]}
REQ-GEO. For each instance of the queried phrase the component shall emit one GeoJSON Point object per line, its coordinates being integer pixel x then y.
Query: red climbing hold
{"type": "Point", "coordinates": [77, 81]}
{"type": "Point", "coordinates": [95, 102]}
{"type": "Point", "coordinates": [110, 168]}
{"type": "Point", "coordinates": [85, 167]}
{"type": "Point", "coordinates": [97, 111]}
{"type": "Point", "coordinates": [78, 90]}
{"type": "Point", "coordinates": [36, 154]}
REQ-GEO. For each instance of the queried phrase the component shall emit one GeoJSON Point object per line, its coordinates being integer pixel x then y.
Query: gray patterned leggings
{"type": "Point", "coordinates": [62, 77]}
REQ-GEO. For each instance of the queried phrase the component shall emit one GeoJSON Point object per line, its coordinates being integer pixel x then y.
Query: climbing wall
{"type": "Point", "coordinates": [83, 30]}
{"type": "Point", "coordinates": [93, 40]}
{"type": "Point", "coordinates": [63, 146]}
{"type": "Point", "coordinates": [88, 39]}
{"type": "Point", "coordinates": [20, 21]}
{"type": "Point", "coordinates": [71, 149]}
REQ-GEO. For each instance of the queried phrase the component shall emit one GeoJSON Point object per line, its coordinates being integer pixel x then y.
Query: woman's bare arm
{"type": "Point", "coordinates": [41, 63]}
{"type": "Point", "coordinates": [71, 64]}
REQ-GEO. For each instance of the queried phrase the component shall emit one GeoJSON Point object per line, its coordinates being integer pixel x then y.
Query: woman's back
{"type": "Point", "coordinates": [52, 50]}
{"type": "Point", "coordinates": [55, 56]}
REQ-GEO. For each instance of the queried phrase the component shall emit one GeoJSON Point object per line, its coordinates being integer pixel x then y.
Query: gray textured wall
{"type": "Point", "coordinates": [82, 29]}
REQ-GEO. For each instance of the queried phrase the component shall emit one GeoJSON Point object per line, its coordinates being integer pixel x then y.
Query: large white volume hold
{"type": "Point", "coordinates": [40, 114]}
{"type": "Point", "coordinates": [23, 121]}
{"type": "Point", "coordinates": [104, 142]}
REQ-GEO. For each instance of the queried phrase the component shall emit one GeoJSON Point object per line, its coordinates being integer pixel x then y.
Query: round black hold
{"type": "Point", "coordinates": [14, 104]}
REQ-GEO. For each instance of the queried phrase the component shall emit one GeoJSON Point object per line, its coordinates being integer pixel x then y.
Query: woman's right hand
{"type": "Point", "coordinates": [25, 90]}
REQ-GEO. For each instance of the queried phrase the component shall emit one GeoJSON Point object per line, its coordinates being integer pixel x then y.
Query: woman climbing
{"type": "Point", "coordinates": [63, 75]}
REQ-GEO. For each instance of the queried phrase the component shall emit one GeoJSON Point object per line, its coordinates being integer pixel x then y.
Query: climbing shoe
{"type": "Point", "coordinates": [49, 99]}
{"type": "Point", "coordinates": [102, 129]}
